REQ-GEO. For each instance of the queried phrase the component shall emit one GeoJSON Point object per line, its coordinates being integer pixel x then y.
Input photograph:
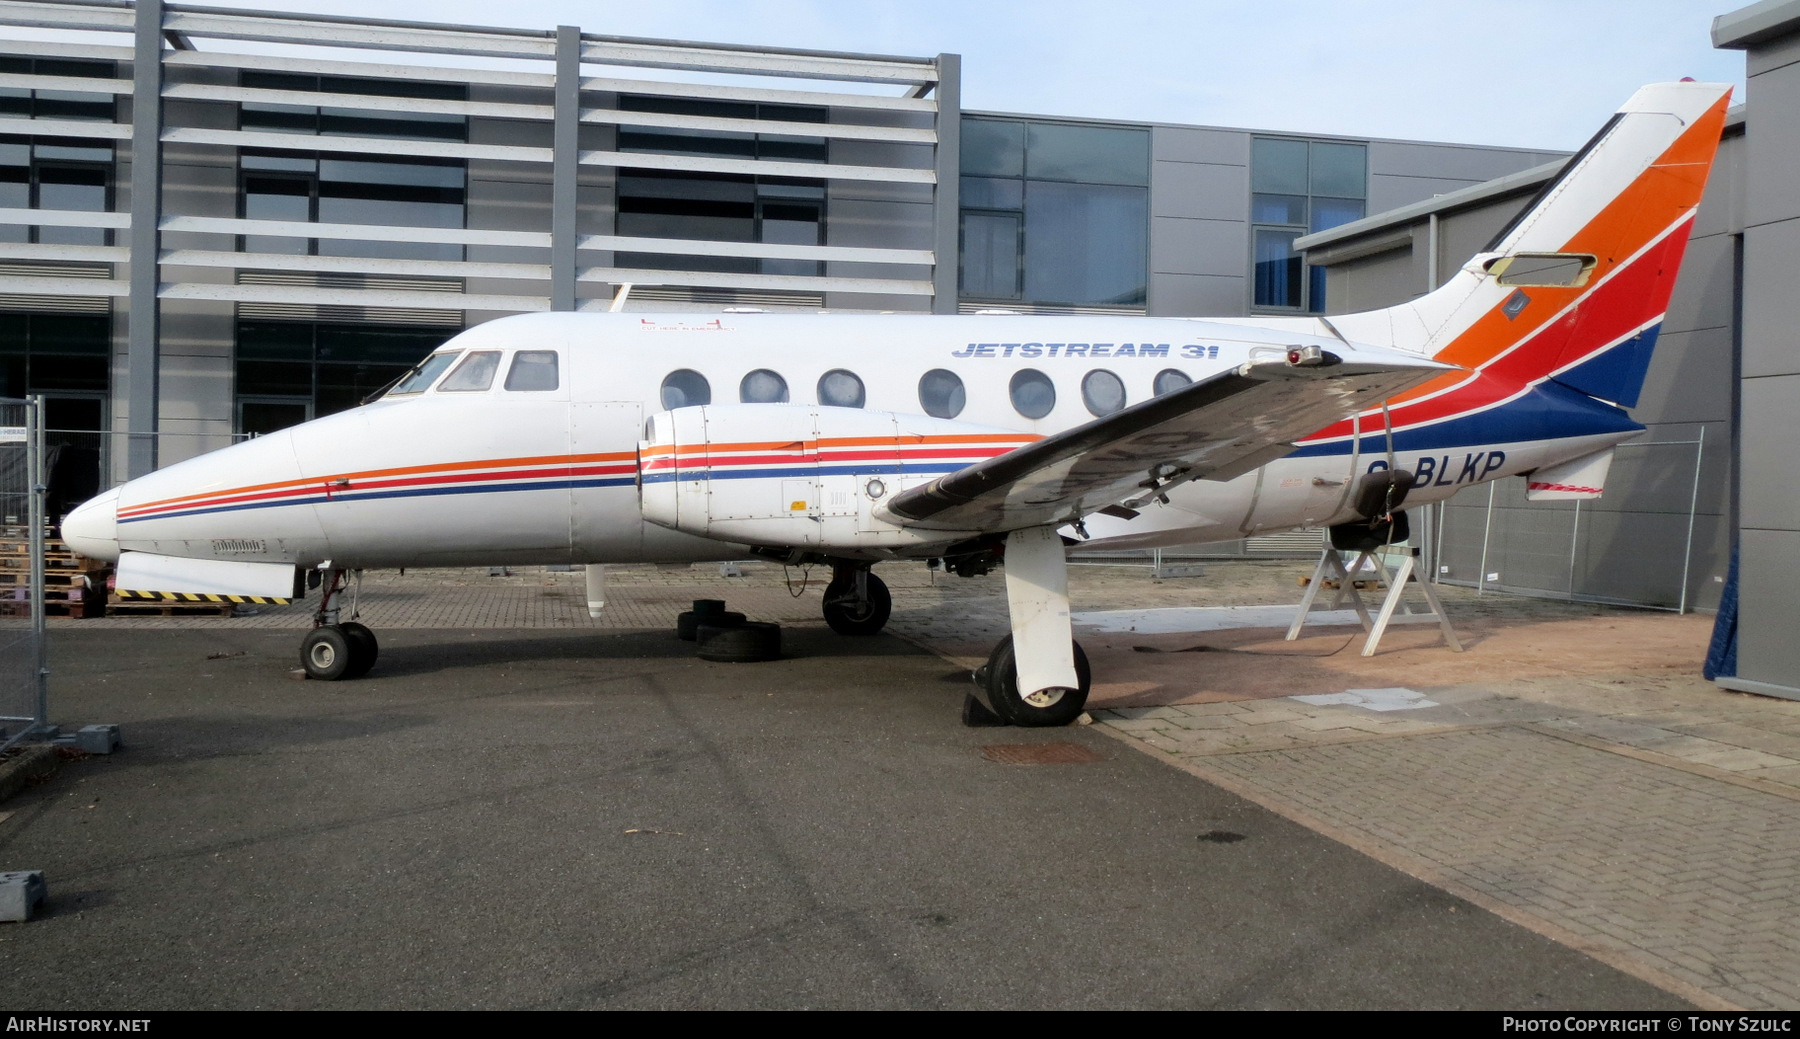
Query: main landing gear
{"type": "Point", "coordinates": [1038, 675]}
{"type": "Point", "coordinates": [333, 651]}
{"type": "Point", "coordinates": [856, 601]}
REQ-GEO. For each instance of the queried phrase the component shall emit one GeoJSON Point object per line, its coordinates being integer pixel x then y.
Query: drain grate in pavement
{"type": "Point", "coordinates": [1039, 754]}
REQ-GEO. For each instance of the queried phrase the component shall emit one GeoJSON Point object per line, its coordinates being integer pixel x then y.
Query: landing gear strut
{"type": "Point", "coordinates": [333, 651]}
{"type": "Point", "coordinates": [856, 601]}
{"type": "Point", "coordinates": [1038, 675]}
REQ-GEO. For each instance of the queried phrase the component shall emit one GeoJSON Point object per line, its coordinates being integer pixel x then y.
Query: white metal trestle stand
{"type": "Point", "coordinates": [1331, 565]}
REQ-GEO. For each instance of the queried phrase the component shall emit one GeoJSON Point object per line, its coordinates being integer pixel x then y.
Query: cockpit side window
{"type": "Point", "coordinates": [532, 370]}
{"type": "Point", "coordinates": [426, 373]}
{"type": "Point", "coordinates": [475, 373]}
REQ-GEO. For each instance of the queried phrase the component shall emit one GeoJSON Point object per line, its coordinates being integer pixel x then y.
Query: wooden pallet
{"type": "Point", "coordinates": [140, 608]}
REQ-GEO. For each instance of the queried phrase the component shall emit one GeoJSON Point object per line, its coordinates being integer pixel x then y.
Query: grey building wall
{"type": "Point", "coordinates": [1667, 508]}
{"type": "Point", "coordinates": [1200, 257]}
{"type": "Point", "coordinates": [1768, 654]}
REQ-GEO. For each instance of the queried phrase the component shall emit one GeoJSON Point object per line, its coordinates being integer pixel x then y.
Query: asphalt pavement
{"type": "Point", "coordinates": [594, 818]}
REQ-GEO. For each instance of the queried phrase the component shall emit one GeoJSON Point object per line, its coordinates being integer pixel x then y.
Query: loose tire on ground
{"type": "Point", "coordinates": [847, 616]}
{"type": "Point", "coordinates": [687, 624]}
{"type": "Point", "coordinates": [747, 643]}
{"type": "Point", "coordinates": [363, 648]}
{"type": "Point", "coordinates": [1002, 683]}
{"type": "Point", "coordinates": [325, 653]}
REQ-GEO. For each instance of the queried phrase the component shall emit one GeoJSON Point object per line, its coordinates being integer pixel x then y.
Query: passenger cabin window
{"type": "Point", "coordinates": [425, 373]}
{"type": "Point", "coordinates": [1033, 394]}
{"type": "Point", "coordinates": [763, 386]}
{"type": "Point", "coordinates": [475, 373]}
{"type": "Point", "coordinates": [1102, 392]}
{"type": "Point", "coordinates": [941, 393]}
{"type": "Point", "coordinates": [685, 388]}
{"type": "Point", "coordinates": [532, 370]}
{"type": "Point", "coordinates": [841, 389]}
{"type": "Point", "coordinates": [1169, 380]}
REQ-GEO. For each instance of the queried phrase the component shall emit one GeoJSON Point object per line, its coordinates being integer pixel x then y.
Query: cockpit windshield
{"type": "Point", "coordinates": [425, 373]}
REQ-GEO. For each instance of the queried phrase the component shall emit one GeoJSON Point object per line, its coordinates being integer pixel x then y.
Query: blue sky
{"type": "Point", "coordinates": [1532, 73]}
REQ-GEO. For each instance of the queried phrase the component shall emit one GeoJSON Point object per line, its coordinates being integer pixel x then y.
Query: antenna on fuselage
{"type": "Point", "coordinates": [619, 298]}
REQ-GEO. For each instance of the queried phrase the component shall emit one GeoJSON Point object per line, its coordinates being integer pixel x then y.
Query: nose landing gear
{"type": "Point", "coordinates": [334, 651]}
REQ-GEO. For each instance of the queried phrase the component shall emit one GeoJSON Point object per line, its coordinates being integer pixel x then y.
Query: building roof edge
{"type": "Point", "coordinates": [1748, 26]}
{"type": "Point", "coordinates": [1512, 183]}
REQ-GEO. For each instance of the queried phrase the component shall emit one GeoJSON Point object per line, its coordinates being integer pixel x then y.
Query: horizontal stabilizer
{"type": "Point", "coordinates": [1583, 477]}
{"type": "Point", "coordinates": [146, 575]}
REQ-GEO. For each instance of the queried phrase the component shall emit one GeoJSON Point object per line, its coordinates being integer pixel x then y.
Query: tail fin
{"type": "Point", "coordinates": [1574, 289]}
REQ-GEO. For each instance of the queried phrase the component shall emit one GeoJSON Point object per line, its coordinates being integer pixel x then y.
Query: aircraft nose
{"type": "Point", "coordinates": [93, 528]}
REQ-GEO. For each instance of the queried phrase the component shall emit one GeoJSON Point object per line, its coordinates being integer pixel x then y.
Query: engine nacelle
{"type": "Point", "coordinates": [802, 476]}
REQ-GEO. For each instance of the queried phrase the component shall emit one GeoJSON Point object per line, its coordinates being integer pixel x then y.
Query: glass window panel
{"type": "Point", "coordinates": [288, 163]}
{"type": "Point", "coordinates": [345, 386]}
{"type": "Point", "coordinates": [685, 388]}
{"type": "Point", "coordinates": [278, 118]}
{"type": "Point", "coordinates": [12, 376]}
{"type": "Point", "coordinates": [781, 187]}
{"type": "Point", "coordinates": [269, 341]}
{"type": "Point", "coordinates": [274, 377]}
{"type": "Point", "coordinates": [698, 187]}
{"type": "Point", "coordinates": [77, 188]}
{"type": "Point", "coordinates": [532, 370]}
{"type": "Point", "coordinates": [689, 142]}
{"type": "Point", "coordinates": [15, 193]}
{"type": "Point", "coordinates": [1277, 269]}
{"type": "Point", "coordinates": [426, 373]}
{"type": "Point", "coordinates": [1089, 154]}
{"type": "Point", "coordinates": [763, 386]}
{"type": "Point", "coordinates": [1102, 392]}
{"type": "Point", "coordinates": [377, 344]}
{"type": "Point", "coordinates": [430, 126]}
{"type": "Point", "coordinates": [410, 174]}
{"type": "Point", "coordinates": [1278, 209]}
{"type": "Point", "coordinates": [687, 106]}
{"type": "Point", "coordinates": [1169, 380]}
{"type": "Point", "coordinates": [991, 193]}
{"type": "Point", "coordinates": [990, 255]}
{"type": "Point", "coordinates": [941, 393]}
{"type": "Point", "coordinates": [993, 148]}
{"type": "Point", "coordinates": [73, 104]}
{"type": "Point", "coordinates": [475, 373]}
{"type": "Point", "coordinates": [1278, 166]}
{"type": "Point", "coordinates": [1033, 394]}
{"type": "Point", "coordinates": [788, 223]}
{"type": "Point", "coordinates": [1339, 169]}
{"type": "Point", "coordinates": [56, 372]}
{"type": "Point", "coordinates": [791, 149]}
{"type": "Point", "coordinates": [841, 389]}
{"type": "Point", "coordinates": [79, 334]}
{"type": "Point", "coordinates": [99, 152]}
{"type": "Point", "coordinates": [258, 417]}
{"type": "Point", "coordinates": [15, 154]}
{"type": "Point", "coordinates": [392, 250]}
{"type": "Point", "coordinates": [15, 101]}
{"type": "Point", "coordinates": [1330, 212]}
{"type": "Point", "coordinates": [1085, 243]}
{"type": "Point", "coordinates": [1315, 289]}
{"type": "Point", "coordinates": [336, 209]}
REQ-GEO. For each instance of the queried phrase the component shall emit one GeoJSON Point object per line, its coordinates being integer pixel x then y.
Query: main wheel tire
{"type": "Point", "coordinates": [363, 648]}
{"type": "Point", "coordinates": [748, 643]}
{"type": "Point", "coordinates": [847, 616]}
{"type": "Point", "coordinates": [1051, 707]}
{"type": "Point", "coordinates": [326, 653]}
{"type": "Point", "coordinates": [687, 624]}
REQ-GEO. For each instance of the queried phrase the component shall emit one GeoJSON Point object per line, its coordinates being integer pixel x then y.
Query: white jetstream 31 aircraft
{"type": "Point", "coordinates": [852, 440]}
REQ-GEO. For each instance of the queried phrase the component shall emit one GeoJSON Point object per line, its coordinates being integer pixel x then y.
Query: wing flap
{"type": "Point", "coordinates": [1217, 428]}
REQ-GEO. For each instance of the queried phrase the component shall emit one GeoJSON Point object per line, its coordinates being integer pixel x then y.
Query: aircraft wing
{"type": "Point", "coordinates": [1217, 428]}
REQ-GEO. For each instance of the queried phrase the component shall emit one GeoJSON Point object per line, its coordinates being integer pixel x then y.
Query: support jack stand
{"type": "Point", "coordinates": [1331, 566]}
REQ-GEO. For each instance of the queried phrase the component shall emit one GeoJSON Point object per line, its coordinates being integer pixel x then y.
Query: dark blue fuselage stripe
{"type": "Point", "coordinates": [422, 492]}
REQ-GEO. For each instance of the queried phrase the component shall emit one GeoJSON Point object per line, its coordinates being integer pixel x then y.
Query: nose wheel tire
{"type": "Point", "coordinates": [334, 652]}
{"type": "Point", "coordinates": [363, 648]}
{"type": "Point", "coordinates": [848, 615]}
{"type": "Point", "coordinates": [1044, 707]}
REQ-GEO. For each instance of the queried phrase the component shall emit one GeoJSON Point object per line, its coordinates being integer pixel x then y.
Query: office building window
{"type": "Point", "coordinates": [55, 173]}
{"type": "Point", "coordinates": [350, 121]}
{"type": "Point", "coordinates": [721, 207]}
{"type": "Point", "coordinates": [28, 103]}
{"type": "Point", "coordinates": [1054, 213]}
{"type": "Point", "coordinates": [300, 187]}
{"type": "Point", "coordinates": [1298, 187]}
{"type": "Point", "coordinates": [291, 371]}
